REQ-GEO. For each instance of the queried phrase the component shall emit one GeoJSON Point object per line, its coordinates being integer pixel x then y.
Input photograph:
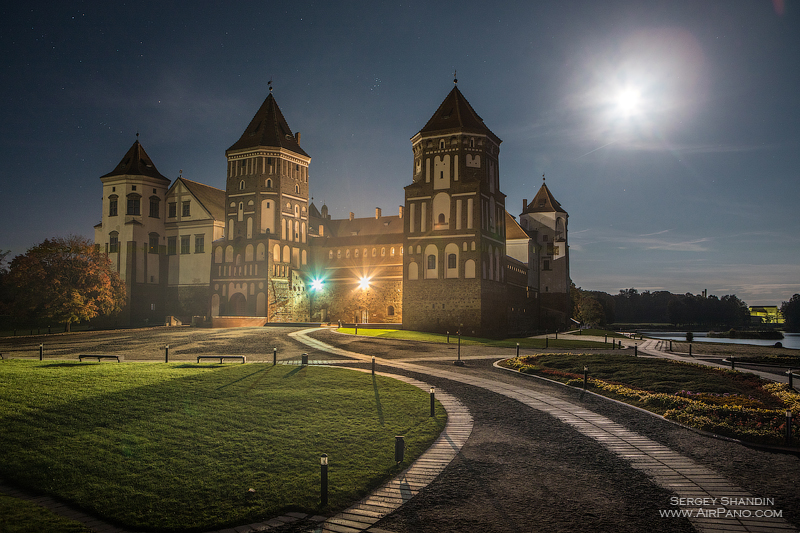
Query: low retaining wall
{"type": "Point", "coordinates": [237, 321]}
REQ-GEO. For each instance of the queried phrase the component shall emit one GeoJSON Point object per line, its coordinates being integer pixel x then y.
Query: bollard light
{"type": "Point", "coordinates": [304, 359]}
{"type": "Point", "coordinates": [788, 428]}
{"type": "Point", "coordinates": [166, 353]}
{"type": "Point", "coordinates": [546, 342]}
{"type": "Point", "coordinates": [517, 349]}
{"type": "Point", "coordinates": [399, 448]}
{"type": "Point", "coordinates": [790, 378]}
{"type": "Point", "coordinates": [275, 356]}
{"type": "Point", "coordinates": [448, 337]}
{"type": "Point", "coordinates": [585, 376]}
{"type": "Point", "coordinates": [733, 364]}
{"type": "Point", "coordinates": [323, 467]}
{"type": "Point", "coordinates": [41, 352]}
{"type": "Point", "coordinates": [433, 401]}
{"type": "Point", "coordinates": [373, 365]}
{"type": "Point", "coordinates": [635, 350]}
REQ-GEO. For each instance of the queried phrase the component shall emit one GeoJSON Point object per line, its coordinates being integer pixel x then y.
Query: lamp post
{"type": "Point", "coordinates": [323, 470]}
{"type": "Point", "coordinates": [433, 401]}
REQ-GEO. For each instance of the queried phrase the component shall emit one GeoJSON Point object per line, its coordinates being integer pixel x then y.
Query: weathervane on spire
{"type": "Point", "coordinates": [180, 173]}
{"type": "Point", "coordinates": [137, 136]}
{"type": "Point", "coordinates": [269, 84]}
{"type": "Point", "coordinates": [455, 78]}
{"type": "Point", "coordinates": [543, 176]}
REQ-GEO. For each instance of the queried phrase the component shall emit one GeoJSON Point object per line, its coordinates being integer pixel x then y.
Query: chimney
{"type": "Point", "coordinates": [352, 215]}
{"type": "Point", "coordinates": [377, 212]}
{"type": "Point", "coordinates": [297, 137]}
{"type": "Point", "coordinates": [524, 205]}
{"type": "Point", "coordinates": [401, 211]}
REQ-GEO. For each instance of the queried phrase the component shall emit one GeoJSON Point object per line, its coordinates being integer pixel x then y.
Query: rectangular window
{"type": "Point", "coordinates": [112, 207]}
{"type": "Point", "coordinates": [172, 245]}
{"type": "Point", "coordinates": [199, 244]}
{"type": "Point", "coordinates": [154, 207]}
{"type": "Point", "coordinates": [133, 205]}
{"type": "Point", "coordinates": [113, 244]}
{"type": "Point", "coordinates": [173, 210]}
{"type": "Point", "coordinates": [185, 209]}
{"type": "Point", "coordinates": [184, 244]}
{"type": "Point", "coordinates": [153, 248]}
{"type": "Point", "coordinates": [546, 264]}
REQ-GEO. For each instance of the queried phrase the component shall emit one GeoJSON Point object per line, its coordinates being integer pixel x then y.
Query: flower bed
{"type": "Point", "coordinates": [757, 417]}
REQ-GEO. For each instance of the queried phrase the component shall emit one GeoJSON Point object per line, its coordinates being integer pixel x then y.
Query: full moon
{"type": "Point", "coordinates": [628, 101]}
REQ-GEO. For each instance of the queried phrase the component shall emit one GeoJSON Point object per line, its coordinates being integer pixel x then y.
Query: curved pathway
{"type": "Point", "coordinates": [699, 490]}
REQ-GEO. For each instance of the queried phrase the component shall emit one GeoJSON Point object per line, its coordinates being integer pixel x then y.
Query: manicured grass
{"type": "Point", "coordinates": [178, 446]}
{"type": "Point", "coordinates": [21, 516]}
{"type": "Point", "coordinates": [566, 342]}
{"type": "Point", "coordinates": [601, 333]}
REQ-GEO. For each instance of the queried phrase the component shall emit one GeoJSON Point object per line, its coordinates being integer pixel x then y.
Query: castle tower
{"type": "Point", "coordinates": [132, 233]}
{"type": "Point", "coordinates": [546, 221]}
{"type": "Point", "coordinates": [256, 266]}
{"type": "Point", "coordinates": [454, 263]}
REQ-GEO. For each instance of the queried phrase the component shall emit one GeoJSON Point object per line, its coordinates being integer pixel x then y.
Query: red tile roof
{"type": "Point", "coordinates": [136, 163]}
{"type": "Point", "coordinates": [268, 128]}
{"type": "Point", "coordinates": [456, 114]}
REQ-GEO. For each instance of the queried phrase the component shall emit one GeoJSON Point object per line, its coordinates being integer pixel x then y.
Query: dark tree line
{"type": "Point", "coordinates": [634, 307]}
{"type": "Point", "coordinates": [791, 314]}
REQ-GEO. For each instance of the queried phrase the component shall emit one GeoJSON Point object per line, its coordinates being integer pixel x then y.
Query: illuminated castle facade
{"type": "Point", "coordinates": [451, 258]}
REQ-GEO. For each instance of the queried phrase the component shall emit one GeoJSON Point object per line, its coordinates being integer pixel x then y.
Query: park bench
{"type": "Point", "coordinates": [81, 357]}
{"type": "Point", "coordinates": [221, 357]}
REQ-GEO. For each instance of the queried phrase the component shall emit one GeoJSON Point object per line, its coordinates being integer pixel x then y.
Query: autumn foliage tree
{"type": "Point", "coordinates": [66, 280]}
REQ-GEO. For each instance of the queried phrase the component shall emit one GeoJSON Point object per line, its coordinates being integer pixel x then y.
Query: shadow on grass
{"type": "Point", "coordinates": [295, 371]}
{"type": "Point", "coordinates": [378, 405]}
{"type": "Point", "coordinates": [68, 365]}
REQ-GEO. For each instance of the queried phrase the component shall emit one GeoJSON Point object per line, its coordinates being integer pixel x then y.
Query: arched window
{"type": "Point", "coordinates": [391, 252]}
{"type": "Point", "coordinates": [330, 254]}
{"type": "Point", "coordinates": [451, 261]}
{"type": "Point", "coordinates": [440, 220]}
{"type": "Point", "coordinates": [297, 189]}
{"type": "Point", "coordinates": [134, 205]}
{"type": "Point", "coordinates": [113, 242]}
{"type": "Point", "coordinates": [241, 185]}
{"type": "Point", "coordinates": [269, 184]}
{"type": "Point", "coordinates": [441, 144]}
{"type": "Point", "coordinates": [413, 272]}
{"type": "Point", "coordinates": [431, 262]}
{"type": "Point", "coordinates": [383, 252]}
{"type": "Point", "coordinates": [112, 205]}
{"type": "Point", "coordinates": [347, 253]}
{"type": "Point", "coordinates": [390, 311]}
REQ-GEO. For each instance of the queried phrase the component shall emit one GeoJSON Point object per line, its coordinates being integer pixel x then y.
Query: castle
{"type": "Point", "coordinates": [452, 258]}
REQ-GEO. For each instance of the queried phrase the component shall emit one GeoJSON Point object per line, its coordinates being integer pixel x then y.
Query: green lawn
{"type": "Point", "coordinates": [178, 446]}
{"type": "Point", "coordinates": [565, 342]}
{"type": "Point", "coordinates": [21, 516]}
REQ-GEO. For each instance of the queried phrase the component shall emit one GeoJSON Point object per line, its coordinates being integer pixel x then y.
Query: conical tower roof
{"type": "Point", "coordinates": [544, 202]}
{"type": "Point", "coordinates": [456, 114]}
{"type": "Point", "coordinates": [268, 128]}
{"type": "Point", "coordinates": [136, 163]}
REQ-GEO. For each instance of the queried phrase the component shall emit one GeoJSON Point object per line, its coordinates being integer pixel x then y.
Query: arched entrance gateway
{"type": "Point", "coordinates": [237, 305]}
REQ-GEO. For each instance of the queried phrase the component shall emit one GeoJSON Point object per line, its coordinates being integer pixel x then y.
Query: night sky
{"type": "Point", "coordinates": [670, 131]}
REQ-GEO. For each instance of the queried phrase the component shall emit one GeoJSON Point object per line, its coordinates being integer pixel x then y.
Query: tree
{"type": "Point", "coordinates": [791, 313]}
{"type": "Point", "coordinates": [5, 295]}
{"type": "Point", "coordinates": [65, 279]}
{"type": "Point", "coordinates": [591, 311]}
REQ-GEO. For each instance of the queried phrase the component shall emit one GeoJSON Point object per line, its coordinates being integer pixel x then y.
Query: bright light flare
{"type": "Point", "coordinates": [629, 101]}
{"type": "Point", "coordinates": [316, 284]}
{"type": "Point", "coordinates": [363, 283]}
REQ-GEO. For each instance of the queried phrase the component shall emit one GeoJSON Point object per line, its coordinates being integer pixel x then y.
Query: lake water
{"type": "Point", "coordinates": [790, 340]}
